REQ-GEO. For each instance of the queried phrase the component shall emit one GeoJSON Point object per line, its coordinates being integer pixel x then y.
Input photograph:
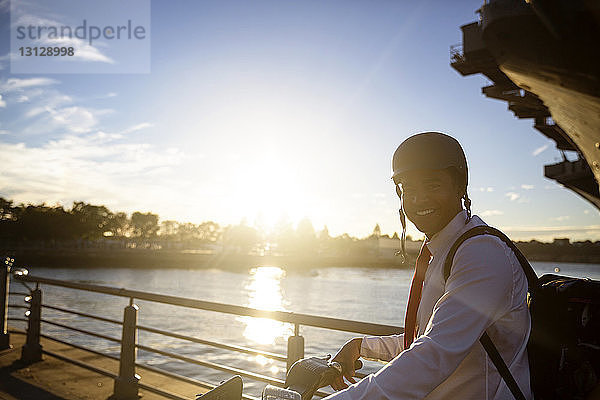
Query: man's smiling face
{"type": "Point", "coordinates": [431, 199]}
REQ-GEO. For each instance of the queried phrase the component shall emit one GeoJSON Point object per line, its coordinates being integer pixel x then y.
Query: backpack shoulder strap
{"type": "Point", "coordinates": [488, 230]}
{"type": "Point", "coordinates": [500, 365]}
{"type": "Point", "coordinates": [532, 279]}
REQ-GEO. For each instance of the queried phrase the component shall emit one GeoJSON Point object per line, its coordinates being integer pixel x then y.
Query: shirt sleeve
{"type": "Point", "coordinates": [382, 347]}
{"type": "Point", "coordinates": [478, 292]}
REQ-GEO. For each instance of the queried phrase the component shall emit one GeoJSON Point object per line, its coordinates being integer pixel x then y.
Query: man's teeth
{"type": "Point", "coordinates": [425, 212]}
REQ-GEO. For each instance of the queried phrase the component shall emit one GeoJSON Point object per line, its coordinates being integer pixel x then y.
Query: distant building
{"type": "Point", "coordinates": [387, 247]}
{"type": "Point", "coordinates": [561, 242]}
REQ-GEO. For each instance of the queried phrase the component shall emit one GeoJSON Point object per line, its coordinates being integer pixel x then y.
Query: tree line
{"type": "Point", "coordinates": [84, 221]}
{"type": "Point", "coordinates": [57, 226]}
{"type": "Point", "coordinates": [90, 225]}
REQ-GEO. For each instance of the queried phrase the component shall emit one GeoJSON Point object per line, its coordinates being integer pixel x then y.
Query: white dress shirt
{"type": "Point", "coordinates": [486, 290]}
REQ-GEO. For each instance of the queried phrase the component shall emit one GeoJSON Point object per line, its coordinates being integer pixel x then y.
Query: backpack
{"type": "Point", "coordinates": [564, 344]}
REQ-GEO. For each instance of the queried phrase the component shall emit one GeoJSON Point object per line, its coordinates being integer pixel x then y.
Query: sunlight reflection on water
{"type": "Point", "coordinates": [265, 293]}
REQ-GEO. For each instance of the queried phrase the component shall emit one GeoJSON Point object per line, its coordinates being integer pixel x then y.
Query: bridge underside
{"type": "Point", "coordinates": [542, 62]}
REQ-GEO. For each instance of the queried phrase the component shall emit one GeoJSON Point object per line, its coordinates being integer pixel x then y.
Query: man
{"type": "Point", "coordinates": [439, 356]}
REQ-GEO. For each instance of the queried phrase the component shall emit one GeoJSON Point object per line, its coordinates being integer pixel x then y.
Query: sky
{"type": "Point", "coordinates": [266, 112]}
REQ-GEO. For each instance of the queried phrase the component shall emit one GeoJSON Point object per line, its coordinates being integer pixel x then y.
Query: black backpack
{"type": "Point", "coordinates": [564, 344]}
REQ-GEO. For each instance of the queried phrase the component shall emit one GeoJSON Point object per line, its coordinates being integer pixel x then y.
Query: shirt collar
{"type": "Point", "coordinates": [440, 240]}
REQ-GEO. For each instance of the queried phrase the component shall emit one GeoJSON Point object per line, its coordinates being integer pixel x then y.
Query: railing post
{"type": "Point", "coordinates": [4, 282]}
{"type": "Point", "coordinates": [295, 349]}
{"type": "Point", "coordinates": [126, 384]}
{"type": "Point", "coordinates": [32, 349]}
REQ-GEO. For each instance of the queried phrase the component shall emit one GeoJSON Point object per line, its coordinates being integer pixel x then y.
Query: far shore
{"type": "Point", "coordinates": [147, 258]}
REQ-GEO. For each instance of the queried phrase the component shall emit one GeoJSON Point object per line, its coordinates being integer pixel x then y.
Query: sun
{"type": "Point", "coordinates": [270, 190]}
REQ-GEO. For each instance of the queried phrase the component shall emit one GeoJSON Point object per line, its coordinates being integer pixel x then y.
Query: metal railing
{"type": "Point", "coordinates": [127, 381]}
{"type": "Point", "coordinates": [456, 53]}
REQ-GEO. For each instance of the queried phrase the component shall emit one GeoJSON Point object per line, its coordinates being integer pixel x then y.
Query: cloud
{"type": "Point", "coordinates": [552, 187]}
{"type": "Point", "coordinates": [486, 189]}
{"type": "Point", "coordinates": [106, 95]}
{"type": "Point", "coordinates": [85, 167]}
{"type": "Point", "coordinates": [561, 218]}
{"type": "Point", "coordinates": [137, 127]}
{"type": "Point", "coordinates": [8, 57]}
{"type": "Point", "coordinates": [586, 211]}
{"type": "Point", "coordinates": [527, 187]}
{"type": "Point", "coordinates": [539, 150]}
{"type": "Point", "coordinates": [4, 132]}
{"type": "Point", "coordinates": [83, 51]}
{"type": "Point", "coordinates": [2, 102]}
{"type": "Point", "coordinates": [512, 196]}
{"type": "Point", "coordinates": [35, 111]}
{"type": "Point", "coordinates": [49, 110]}
{"type": "Point", "coordinates": [14, 84]}
{"type": "Point", "coordinates": [30, 94]}
{"type": "Point", "coordinates": [489, 213]}
{"type": "Point", "coordinates": [76, 119]}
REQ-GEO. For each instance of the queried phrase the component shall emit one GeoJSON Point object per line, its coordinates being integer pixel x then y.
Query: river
{"type": "Point", "coordinates": [362, 294]}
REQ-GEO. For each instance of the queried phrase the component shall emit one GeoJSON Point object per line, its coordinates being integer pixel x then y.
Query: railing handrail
{"type": "Point", "coordinates": [366, 328]}
{"type": "Point", "coordinates": [192, 339]}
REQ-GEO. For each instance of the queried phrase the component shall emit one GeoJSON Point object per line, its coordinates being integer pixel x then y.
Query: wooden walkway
{"type": "Point", "coordinates": [55, 379]}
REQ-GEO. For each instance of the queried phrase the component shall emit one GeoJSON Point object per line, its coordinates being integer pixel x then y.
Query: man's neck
{"type": "Point", "coordinates": [429, 236]}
